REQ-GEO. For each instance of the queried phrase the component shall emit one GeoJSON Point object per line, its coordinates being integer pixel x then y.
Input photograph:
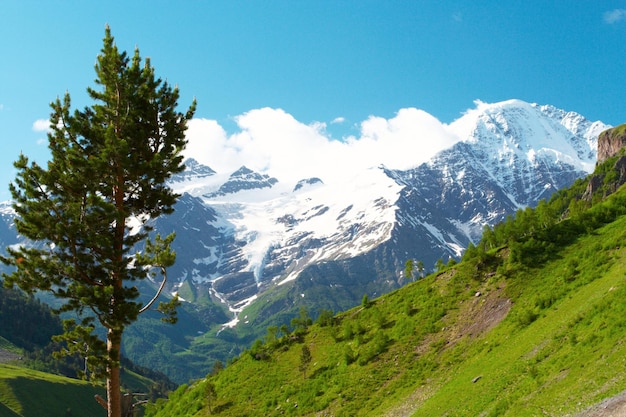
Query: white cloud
{"type": "Point", "coordinates": [615, 16]}
{"type": "Point", "coordinates": [338, 120]}
{"type": "Point", "coordinates": [274, 142]}
{"type": "Point", "coordinates": [404, 141]}
{"type": "Point", "coordinates": [41, 125]}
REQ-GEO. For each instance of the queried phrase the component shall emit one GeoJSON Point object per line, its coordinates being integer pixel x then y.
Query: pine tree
{"type": "Point", "coordinates": [420, 269]}
{"type": "Point", "coordinates": [408, 269]}
{"type": "Point", "coordinates": [211, 395]}
{"type": "Point", "coordinates": [305, 359]}
{"type": "Point", "coordinates": [109, 165]}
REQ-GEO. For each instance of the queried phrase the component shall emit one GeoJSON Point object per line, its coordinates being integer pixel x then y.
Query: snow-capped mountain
{"type": "Point", "coordinates": [513, 155]}
{"type": "Point", "coordinates": [338, 238]}
{"type": "Point", "coordinates": [259, 233]}
{"type": "Point", "coordinates": [7, 229]}
{"type": "Point", "coordinates": [327, 241]}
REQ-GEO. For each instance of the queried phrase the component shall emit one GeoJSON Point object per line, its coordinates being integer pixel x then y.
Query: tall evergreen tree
{"type": "Point", "coordinates": [305, 359]}
{"type": "Point", "coordinates": [109, 165]}
{"type": "Point", "coordinates": [420, 268]}
{"type": "Point", "coordinates": [211, 395]}
{"type": "Point", "coordinates": [408, 269]}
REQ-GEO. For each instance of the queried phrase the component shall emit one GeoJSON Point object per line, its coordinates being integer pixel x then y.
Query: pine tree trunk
{"type": "Point", "coordinates": [114, 336]}
{"type": "Point", "coordinates": [114, 388]}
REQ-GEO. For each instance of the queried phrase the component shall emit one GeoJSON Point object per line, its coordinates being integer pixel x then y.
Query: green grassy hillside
{"type": "Point", "coordinates": [28, 393]}
{"type": "Point", "coordinates": [531, 322]}
{"type": "Point", "coordinates": [30, 385]}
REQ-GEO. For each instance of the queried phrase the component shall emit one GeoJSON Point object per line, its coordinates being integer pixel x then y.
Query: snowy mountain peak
{"type": "Point", "coordinates": [514, 113]}
{"type": "Point", "coordinates": [193, 179]}
{"type": "Point", "coordinates": [514, 130]}
{"type": "Point", "coordinates": [244, 179]}
{"type": "Point", "coordinates": [194, 170]}
{"type": "Point", "coordinates": [510, 155]}
{"type": "Point", "coordinates": [242, 172]}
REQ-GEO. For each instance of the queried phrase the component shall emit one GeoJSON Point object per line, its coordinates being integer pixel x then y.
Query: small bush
{"type": "Point", "coordinates": [527, 317]}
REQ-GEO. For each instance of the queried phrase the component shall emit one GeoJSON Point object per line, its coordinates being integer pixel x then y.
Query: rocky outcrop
{"type": "Point", "coordinates": [607, 182]}
{"type": "Point", "coordinates": [610, 142]}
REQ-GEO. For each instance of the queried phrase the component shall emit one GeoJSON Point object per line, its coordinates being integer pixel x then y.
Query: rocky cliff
{"type": "Point", "coordinates": [610, 142]}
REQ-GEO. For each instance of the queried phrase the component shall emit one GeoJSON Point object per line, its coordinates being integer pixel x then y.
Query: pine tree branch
{"type": "Point", "coordinates": [158, 293]}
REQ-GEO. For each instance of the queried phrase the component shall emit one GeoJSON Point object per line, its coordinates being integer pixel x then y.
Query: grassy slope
{"type": "Point", "coordinates": [28, 393]}
{"type": "Point", "coordinates": [434, 348]}
{"type": "Point", "coordinates": [572, 355]}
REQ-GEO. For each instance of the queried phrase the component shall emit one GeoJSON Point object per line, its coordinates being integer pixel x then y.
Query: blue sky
{"type": "Point", "coordinates": [324, 63]}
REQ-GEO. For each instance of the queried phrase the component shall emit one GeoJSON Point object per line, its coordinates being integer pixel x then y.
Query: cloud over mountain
{"type": "Point", "coordinates": [272, 141]}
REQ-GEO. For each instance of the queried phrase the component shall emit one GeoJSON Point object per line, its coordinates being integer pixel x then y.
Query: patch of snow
{"type": "Point", "coordinates": [175, 294]}
{"type": "Point", "coordinates": [235, 309]}
{"type": "Point", "coordinates": [255, 216]}
{"type": "Point", "coordinates": [291, 277]}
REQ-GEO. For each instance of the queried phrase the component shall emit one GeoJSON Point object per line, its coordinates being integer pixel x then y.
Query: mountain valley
{"type": "Point", "coordinates": [253, 249]}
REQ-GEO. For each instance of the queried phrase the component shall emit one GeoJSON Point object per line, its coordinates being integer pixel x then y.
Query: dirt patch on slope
{"type": "Point", "coordinates": [7, 356]}
{"type": "Point", "coordinates": [475, 316]}
{"type": "Point", "coordinates": [611, 407]}
{"type": "Point", "coordinates": [479, 314]}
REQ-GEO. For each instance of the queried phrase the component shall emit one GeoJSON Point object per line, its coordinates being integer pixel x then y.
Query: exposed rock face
{"type": "Point", "coordinates": [610, 142]}
{"type": "Point", "coordinates": [308, 181]}
{"type": "Point", "coordinates": [613, 182]}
